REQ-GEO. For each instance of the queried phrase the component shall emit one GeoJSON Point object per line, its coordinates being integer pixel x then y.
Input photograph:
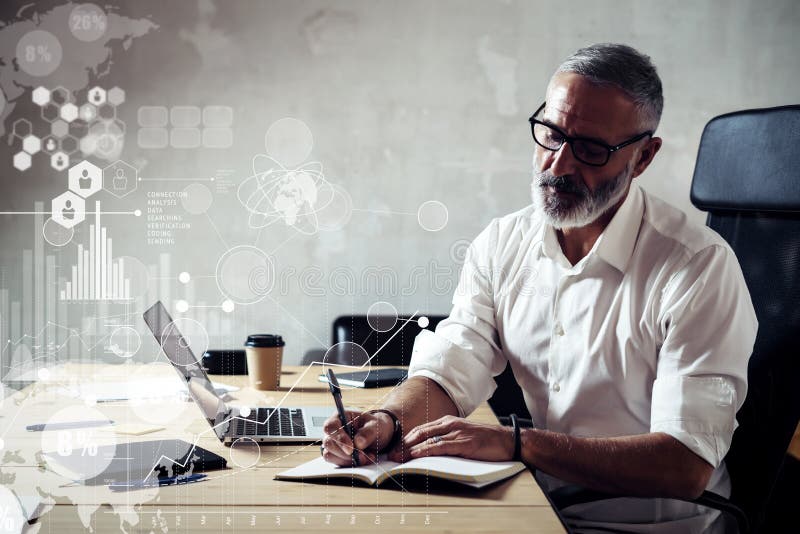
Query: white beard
{"type": "Point", "coordinates": [562, 214]}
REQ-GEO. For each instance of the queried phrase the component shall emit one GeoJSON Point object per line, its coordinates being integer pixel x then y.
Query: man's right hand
{"type": "Point", "coordinates": [372, 433]}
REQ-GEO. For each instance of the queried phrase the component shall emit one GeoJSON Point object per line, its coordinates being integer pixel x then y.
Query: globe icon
{"type": "Point", "coordinates": [276, 194]}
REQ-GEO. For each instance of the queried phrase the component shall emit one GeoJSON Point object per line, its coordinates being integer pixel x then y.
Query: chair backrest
{"type": "Point", "coordinates": [747, 177]}
{"type": "Point", "coordinates": [373, 333]}
{"type": "Point", "coordinates": [506, 399]}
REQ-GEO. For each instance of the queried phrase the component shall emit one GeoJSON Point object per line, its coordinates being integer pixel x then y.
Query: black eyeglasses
{"type": "Point", "coordinates": [588, 151]}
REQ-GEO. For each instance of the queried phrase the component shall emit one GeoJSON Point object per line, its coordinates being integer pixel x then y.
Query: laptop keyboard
{"type": "Point", "coordinates": [286, 422]}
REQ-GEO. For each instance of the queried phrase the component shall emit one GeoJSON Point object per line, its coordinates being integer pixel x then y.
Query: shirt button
{"type": "Point", "coordinates": [559, 329]}
{"type": "Point", "coordinates": [556, 387]}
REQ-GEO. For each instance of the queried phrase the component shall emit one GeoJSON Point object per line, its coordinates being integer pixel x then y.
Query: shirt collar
{"type": "Point", "coordinates": [619, 237]}
{"type": "Point", "coordinates": [615, 244]}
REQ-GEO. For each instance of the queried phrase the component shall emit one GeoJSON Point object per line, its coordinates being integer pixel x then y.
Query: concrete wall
{"type": "Point", "coordinates": [407, 102]}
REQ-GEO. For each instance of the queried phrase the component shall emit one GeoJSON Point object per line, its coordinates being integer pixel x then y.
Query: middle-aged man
{"type": "Point", "coordinates": [627, 326]}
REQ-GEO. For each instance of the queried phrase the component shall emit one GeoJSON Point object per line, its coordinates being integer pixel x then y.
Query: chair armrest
{"type": "Point", "coordinates": [567, 496]}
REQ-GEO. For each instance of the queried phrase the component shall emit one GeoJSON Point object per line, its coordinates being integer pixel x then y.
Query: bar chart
{"type": "Point", "coordinates": [66, 301]}
{"type": "Point", "coordinates": [97, 275]}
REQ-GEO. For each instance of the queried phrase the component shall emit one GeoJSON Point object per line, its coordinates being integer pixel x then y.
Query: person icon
{"type": "Point", "coordinates": [120, 180]}
{"type": "Point", "coordinates": [85, 182]}
{"type": "Point", "coordinates": [68, 212]}
{"type": "Point", "coordinates": [97, 96]}
{"type": "Point", "coordinates": [51, 145]}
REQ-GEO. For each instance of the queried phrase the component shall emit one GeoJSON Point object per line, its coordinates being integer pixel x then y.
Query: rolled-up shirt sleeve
{"type": "Point", "coordinates": [463, 354]}
{"type": "Point", "coordinates": [709, 327]}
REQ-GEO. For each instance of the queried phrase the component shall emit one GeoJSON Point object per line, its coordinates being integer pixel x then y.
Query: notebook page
{"type": "Point", "coordinates": [319, 468]}
{"type": "Point", "coordinates": [461, 469]}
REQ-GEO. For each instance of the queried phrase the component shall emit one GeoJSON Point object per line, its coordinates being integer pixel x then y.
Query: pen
{"type": "Point", "coordinates": [68, 425]}
{"type": "Point", "coordinates": [333, 385]}
{"type": "Point", "coordinates": [137, 484]}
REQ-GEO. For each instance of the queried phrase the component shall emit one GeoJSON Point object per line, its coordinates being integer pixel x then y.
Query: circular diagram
{"type": "Point", "coordinates": [182, 340]}
{"type": "Point", "coordinates": [245, 274]}
{"type": "Point", "coordinates": [197, 200]}
{"type": "Point", "coordinates": [432, 215]}
{"type": "Point", "coordinates": [77, 453]}
{"type": "Point", "coordinates": [245, 452]}
{"type": "Point", "coordinates": [289, 141]}
{"type": "Point", "coordinates": [56, 234]}
{"type": "Point", "coordinates": [296, 197]}
{"type": "Point", "coordinates": [165, 409]}
{"type": "Point", "coordinates": [87, 22]}
{"type": "Point", "coordinates": [39, 53]}
{"type": "Point", "coordinates": [343, 355]}
{"type": "Point", "coordinates": [382, 316]}
{"type": "Point", "coordinates": [124, 342]}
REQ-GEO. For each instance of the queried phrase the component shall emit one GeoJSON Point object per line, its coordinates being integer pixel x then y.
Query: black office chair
{"type": "Point", "coordinates": [395, 347]}
{"type": "Point", "coordinates": [747, 177]}
{"type": "Point", "coordinates": [358, 330]}
{"type": "Point", "coordinates": [507, 398]}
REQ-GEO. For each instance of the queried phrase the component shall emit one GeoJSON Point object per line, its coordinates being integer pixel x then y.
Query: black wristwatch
{"type": "Point", "coordinates": [517, 441]}
{"type": "Point", "coordinates": [397, 433]}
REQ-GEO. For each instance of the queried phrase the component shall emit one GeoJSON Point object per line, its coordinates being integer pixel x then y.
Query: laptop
{"type": "Point", "coordinates": [268, 425]}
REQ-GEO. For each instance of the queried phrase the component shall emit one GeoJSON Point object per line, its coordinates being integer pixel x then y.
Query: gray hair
{"type": "Point", "coordinates": [624, 67]}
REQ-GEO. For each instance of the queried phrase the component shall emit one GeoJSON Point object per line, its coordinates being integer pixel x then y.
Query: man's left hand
{"type": "Point", "coordinates": [455, 436]}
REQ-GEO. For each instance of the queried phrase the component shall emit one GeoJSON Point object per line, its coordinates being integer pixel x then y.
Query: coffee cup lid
{"type": "Point", "coordinates": [264, 340]}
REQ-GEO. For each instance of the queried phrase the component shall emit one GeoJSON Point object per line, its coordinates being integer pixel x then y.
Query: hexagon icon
{"type": "Point", "coordinates": [50, 145]}
{"type": "Point", "coordinates": [22, 161]}
{"type": "Point", "coordinates": [120, 178]}
{"type": "Point", "coordinates": [40, 96]}
{"type": "Point", "coordinates": [60, 95]}
{"type": "Point", "coordinates": [78, 128]}
{"type": "Point", "coordinates": [85, 179]}
{"type": "Point", "coordinates": [59, 128]}
{"type": "Point", "coordinates": [96, 96]}
{"type": "Point", "coordinates": [88, 145]}
{"type": "Point", "coordinates": [59, 161]}
{"type": "Point", "coordinates": [31, 144]}
{"type": "Point", "coordinates": [68, 209]}
{"type": "Point", "coordinates": [69, 112]}
{"type": "Point", "coordinates": [106, 111]}
{"type": "Point", "coordinates": [22, 128]}
{"type": "Point", "coordinates": [50, 112]}
{"type": "Point", "coordinates": [88, 112]}
{"type": "Point", "coordinates": [116, 96]}
{"type": "Point", "coordinates": [69, 145]}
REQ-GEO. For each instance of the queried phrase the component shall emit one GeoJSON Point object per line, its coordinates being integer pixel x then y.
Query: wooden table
{"type": "Point", "coordinates": [244, 497]}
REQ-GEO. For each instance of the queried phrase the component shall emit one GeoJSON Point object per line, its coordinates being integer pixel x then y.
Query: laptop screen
{"type": "Point", "coordinates": [191, 371]}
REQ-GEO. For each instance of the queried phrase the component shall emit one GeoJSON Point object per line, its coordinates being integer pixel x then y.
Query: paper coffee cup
{"type": "Point", "coordinates": [264, 358]}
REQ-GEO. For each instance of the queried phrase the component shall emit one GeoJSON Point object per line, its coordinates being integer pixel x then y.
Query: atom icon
{"type": "Point", "coordinates": [284, 189]}
{"type": "Point", "coordinates": [277, 194]}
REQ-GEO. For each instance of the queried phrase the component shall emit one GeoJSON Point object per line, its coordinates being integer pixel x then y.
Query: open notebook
{"type": "Point", "coordinates": [473, 473]}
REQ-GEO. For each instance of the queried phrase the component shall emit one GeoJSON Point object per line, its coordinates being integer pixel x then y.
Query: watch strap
{"type": "Point", "coordinates": [397, 432]}
{"type": "Point", "coordinates": [517, 440]}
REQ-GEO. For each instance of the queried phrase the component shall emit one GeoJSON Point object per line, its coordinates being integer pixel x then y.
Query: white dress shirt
{"type": "Point", "coordinates": [650, 332]}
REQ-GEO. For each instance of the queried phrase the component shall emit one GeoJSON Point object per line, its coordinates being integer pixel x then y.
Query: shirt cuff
{"type": "Point", "coordinates": [461, 373]}
{"type": "Point", "coordinates": [700, 412]}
